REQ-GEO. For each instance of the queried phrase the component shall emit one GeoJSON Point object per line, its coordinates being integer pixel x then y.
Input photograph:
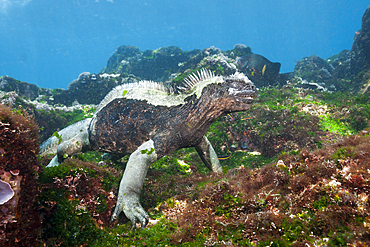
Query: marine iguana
{"type": "Point", "coordinates": [149, 121]}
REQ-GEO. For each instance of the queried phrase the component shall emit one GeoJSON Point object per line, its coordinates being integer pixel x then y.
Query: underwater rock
{"type": "Point", "coordinates": [167, 63]}
{"type": "Point", "coordinates": [121, 58]}
{"type": "Point", "coordinates": [347, 70]}
{"type": "Point", "coordinates": [24, 89]}
{"type": "Point", "coordinates": [337, 61]}
{"type": "Point", "coordinates": [221, 64]}
{"type": "Point", "coordinates": [238, 51]}
{"type": "Point", "coordinates": [360, 53]}
{"type": "Point", "coordinates": [81, 78]}
{"type": "Point", "coordinates": [157, 65]}
{"type": "Point", "coordinates": [298, 82]}
{"type": "Point", "coordinates": [84, 76]}
{"type": "Point", "coordinates": [9, 98]}
{"type": "Point", "coordinates": [340, 63]}
{"type": "Point", "coordinates": [198, 59]}
{"type": "Point", "coordinates": [90, 88]}
{"type": "Point", "coordinates": [259, 69]}
{"type": "Point", "coordinates": [313, 69]}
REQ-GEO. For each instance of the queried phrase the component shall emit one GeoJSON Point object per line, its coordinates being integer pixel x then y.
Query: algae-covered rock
{"type": "Point", "coordinates": [238, 51]}
{"type": "Point", "coordinates": [360, 54]}
{"type": "Point", "coordinates": [313, 69]}
{"type": "Point", "coordinates": [19, 215]}
{"type": "Point", "coordinates": [148, 65]}
{"type": "Point", "coordinates": [24, 89]}
{"type": "Point", "coordinates": [90, 88]}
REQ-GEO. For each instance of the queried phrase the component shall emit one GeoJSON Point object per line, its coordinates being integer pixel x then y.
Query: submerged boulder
{"type": "Point", "coordinates": [259, 69]}
{"type": "Point", "coordinates": [360, 54]}
{"type": "Point", "coordinates": [24, 89]}
{"type": "Point", "coordinates": [313, 69]}
{"type": "Point", "coordinates": [157, 65]}
{"type": "Point", "coordinates": [331, 74]}
{"type": "Point", "coordinates": [238, 51]}
{"type": "Point", "coordinates": [90, 88]}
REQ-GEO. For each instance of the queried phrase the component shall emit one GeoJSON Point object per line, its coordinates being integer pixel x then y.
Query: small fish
{"type": "Point", "coordinates": [224, 157]}
{"type": "Point", "coordinates": [263, 69]}
{"type": "Point", "coordinates": [254, 72]}
{"type": "Point", "coordinates": [231, 117]}
{"type": "Point", "coordinates": [357, 33]}
{"type": "Point", "coordinates": [246, 118]}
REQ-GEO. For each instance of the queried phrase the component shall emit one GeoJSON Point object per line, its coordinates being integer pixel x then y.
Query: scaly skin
{"type": "Point", "coordinates": [149, 131]}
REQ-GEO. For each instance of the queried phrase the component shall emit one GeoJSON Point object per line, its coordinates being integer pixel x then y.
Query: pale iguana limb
{"type": "Point", "coordinates": [208, 155]}
{"type": "Point", "coordinates": [51, 144]}
{"type": "Point", "coordinates": [132, 182]}
{"type": "Point", "coordinates": [76, 144]}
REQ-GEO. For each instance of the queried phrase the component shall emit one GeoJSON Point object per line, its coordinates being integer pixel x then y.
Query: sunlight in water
{"type": "Point", "coordinates": [6, 4]}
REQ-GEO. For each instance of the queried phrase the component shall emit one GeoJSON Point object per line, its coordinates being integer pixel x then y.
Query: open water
{"type": "Point", "coordinates": [49, 43]}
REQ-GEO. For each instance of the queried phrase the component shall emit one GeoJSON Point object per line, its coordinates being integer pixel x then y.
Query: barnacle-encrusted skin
{"type": "Point", "coordinates": [148, 121]}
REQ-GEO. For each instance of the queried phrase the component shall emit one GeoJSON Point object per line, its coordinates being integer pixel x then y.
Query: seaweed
{"type": "Point", "coordinates": [20, 219]}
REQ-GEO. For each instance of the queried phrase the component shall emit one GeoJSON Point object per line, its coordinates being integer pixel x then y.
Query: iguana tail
{"type": "Point", "coordinates": [50, 145]}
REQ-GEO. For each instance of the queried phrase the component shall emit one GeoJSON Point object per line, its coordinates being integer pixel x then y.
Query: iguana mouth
{"type": "Point", "coordinates": [245, 94]}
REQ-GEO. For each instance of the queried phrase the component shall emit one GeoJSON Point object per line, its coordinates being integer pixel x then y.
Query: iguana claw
{"type": "Point", "coordinates": [138, 215]}
{"type": "Point", "coordinates": [133, 211]}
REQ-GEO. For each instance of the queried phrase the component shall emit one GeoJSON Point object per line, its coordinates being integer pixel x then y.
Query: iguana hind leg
{"type": "Point", "coordinates": [132, 182]}
{"type": "Point", "coordinates": [208, 155]}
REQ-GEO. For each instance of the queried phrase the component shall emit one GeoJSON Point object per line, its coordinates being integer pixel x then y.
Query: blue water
{"type": "Point", "coordinates": [50, 42]}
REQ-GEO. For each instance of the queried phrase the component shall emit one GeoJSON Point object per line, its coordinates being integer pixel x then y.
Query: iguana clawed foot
{"type": "Point", "coordinates": [130, 205]}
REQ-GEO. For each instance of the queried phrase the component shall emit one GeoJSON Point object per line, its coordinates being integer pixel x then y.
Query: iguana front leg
{"type": "Point", "coordinates": [208, 155]}
{"type": "Point", "coordinates": [131, 185]}
{"type": "Point", "coordinates": [70, 147]}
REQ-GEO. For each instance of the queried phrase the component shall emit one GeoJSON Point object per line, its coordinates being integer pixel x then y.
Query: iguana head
{"type": "Point", "coordinates": [236, 93]}
{"type": "Point", "coordinates": [229, 94]}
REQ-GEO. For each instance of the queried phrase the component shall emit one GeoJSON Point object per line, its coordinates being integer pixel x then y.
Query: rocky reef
{"type": "Point", "coordinates": [360, 54]}
{"type": "Point", "coordinates": [348, 70]}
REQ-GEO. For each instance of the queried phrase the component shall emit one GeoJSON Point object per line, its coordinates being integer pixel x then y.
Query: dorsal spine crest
{"type": "Point", "coordinates": [195, 78]}
{"type": "Point", "coordinates": [157, 93]}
